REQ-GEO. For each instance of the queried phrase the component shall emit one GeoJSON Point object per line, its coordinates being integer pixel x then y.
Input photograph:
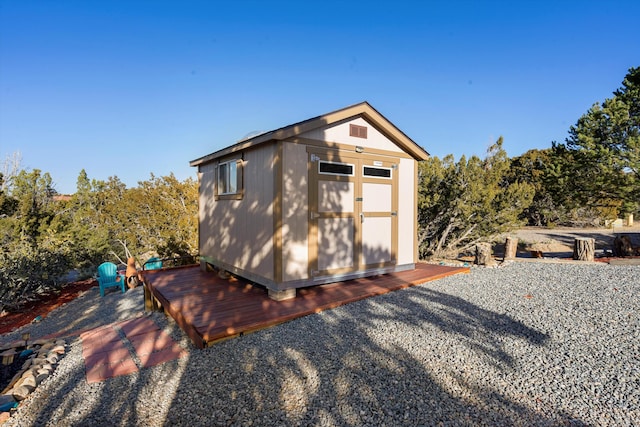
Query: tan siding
{"type": "Point", "coordinates": [295, 212]}
{"type": "Point", "coordinates": [339, 133]}
{"type": "Point", "coordinates": [240, 232]}
{"type": "Point", "coordinates": [406, 212]}
{"type": "Point", "coordinates": [205, 207]}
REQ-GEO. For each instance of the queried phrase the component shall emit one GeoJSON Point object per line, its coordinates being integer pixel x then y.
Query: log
{"type": "Point", "coordinates": [622, 246]}
{"type": "Point", "coordinates": [483, 254]}
{"type": "Point", "coordinates": [510, 247]}
{"type": "Point", "coordinates": [584, 249]}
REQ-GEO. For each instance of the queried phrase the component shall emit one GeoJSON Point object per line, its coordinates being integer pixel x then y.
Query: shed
{"type": "Point", "coordinates": [324, 200]}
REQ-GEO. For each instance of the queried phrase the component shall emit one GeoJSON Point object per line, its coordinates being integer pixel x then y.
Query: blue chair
{"type": "Point", "coordinates": [152, 263]}
{"type": "Point", "coordinates": [108, 277]}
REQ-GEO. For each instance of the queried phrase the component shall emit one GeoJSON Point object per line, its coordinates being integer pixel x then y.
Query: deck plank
{"type": "Point", "coordinates": [209, 308]}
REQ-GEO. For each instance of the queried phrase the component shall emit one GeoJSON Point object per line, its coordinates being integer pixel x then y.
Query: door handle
{"type": "Point", "coordinates": [361, 217]}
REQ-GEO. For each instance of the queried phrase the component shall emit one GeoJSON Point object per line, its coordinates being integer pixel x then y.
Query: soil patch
{"type": "Point", "coordinates": [43, 305]}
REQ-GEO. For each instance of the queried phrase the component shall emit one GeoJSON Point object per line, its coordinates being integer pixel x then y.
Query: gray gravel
{"type": "Point", "coordinates": [524, 344]}
{"type": "Point", "coordinates": [86, 312]}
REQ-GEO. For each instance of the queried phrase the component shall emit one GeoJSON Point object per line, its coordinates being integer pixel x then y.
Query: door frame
{"type": "Point", "coordinates": [359, 160]}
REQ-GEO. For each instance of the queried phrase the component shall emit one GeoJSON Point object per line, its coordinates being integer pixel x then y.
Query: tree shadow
{"type": "Point", "coordinates": [368, 363]}
{"type": "Point", "coordinates": [410, 357]}
{"type": "Point", "coordinates": [135, 399]}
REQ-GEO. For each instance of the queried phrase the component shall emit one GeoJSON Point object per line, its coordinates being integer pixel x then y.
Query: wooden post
{"type": "Point", "coordinates": [510, 247]}
{"type": "Point", "coordinates": [483, 254]}
{"type": "Point", "coordinates": [584, 249]}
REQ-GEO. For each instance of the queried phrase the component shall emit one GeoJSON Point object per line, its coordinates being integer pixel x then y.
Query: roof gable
{"type": "Point", "coordinates": [363, 110]}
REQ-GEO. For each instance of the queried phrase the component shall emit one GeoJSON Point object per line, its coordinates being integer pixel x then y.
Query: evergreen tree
{"type": "Point", "coordinates": [599, 164]}
{"type": "Point", "coordinates": [33, 192]}
{"type": "Point", "coordinates": [530, 167]}
{"type": "Point", "coordinates": [461, 204]}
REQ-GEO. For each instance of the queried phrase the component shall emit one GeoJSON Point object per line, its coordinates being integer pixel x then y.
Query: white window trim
{"type": "Point", "coordinates": [239, 181]}
{"type": "Point", "coordinates": [377, 167]}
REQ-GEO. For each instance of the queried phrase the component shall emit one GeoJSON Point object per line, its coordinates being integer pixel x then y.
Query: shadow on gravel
{"type": "Point", "coordinates": [138, 399]}
{"type": "Point", "coordinates": [357, 366]}
{"type": "Point", "coordinates": [374, 362]}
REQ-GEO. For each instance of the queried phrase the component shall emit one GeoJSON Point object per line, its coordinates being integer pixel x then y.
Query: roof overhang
{"type": "Point", "coordinates": [362, 109]}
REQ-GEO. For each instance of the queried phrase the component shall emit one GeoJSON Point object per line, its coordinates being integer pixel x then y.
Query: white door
{"type": "Point", "coordinates": [353, 213]}
{"type": "Point", "coordinates": [379, 213]}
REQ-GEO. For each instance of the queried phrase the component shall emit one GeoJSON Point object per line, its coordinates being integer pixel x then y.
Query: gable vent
{"type": "Point", "coordinates": [358, 131]}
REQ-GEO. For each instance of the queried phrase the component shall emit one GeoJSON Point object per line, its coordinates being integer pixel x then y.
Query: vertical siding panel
{"type": "Point", "coordinates": [240, 232]}
{"type": "Point", "coordinates": [407, 228]}
{"type": "Point", "coordinates": [295, 213]}
{"type": "Point", "coordinates": [255, 250]}
{"type": "Point", "coordinates": [206, 207]}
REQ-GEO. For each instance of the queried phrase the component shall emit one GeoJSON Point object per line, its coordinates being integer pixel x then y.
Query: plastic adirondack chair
{"type": "Point", "coordinates": [108, 277]}
{"type": "Point", "coordinates": [152, 263]}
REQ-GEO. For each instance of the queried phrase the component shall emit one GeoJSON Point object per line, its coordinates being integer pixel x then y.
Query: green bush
{"type": "Point", "coordinates": [26, 272]}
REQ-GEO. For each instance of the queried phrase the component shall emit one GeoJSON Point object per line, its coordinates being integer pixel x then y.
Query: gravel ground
{"type": "Point", "coordinates": [523, 344]}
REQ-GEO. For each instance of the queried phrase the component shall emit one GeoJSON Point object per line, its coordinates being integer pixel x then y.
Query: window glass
{"type": "Point", "coordinates": [228, 178]}
{"type": "Point", "coordinates": [376, 172]}
{"type": "Point", "coordinates": [233, 177]}
{"type": "Point", "coordinates": [222, 180]}
{"type": "Point", "coordinates": [335, 168]}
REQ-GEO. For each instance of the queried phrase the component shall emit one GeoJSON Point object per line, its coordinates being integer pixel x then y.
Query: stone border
{"type": "Point", "coordinates": [37, 368]}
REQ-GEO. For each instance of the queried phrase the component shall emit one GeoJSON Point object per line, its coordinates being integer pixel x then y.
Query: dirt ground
{"type": "Point", "coordinates": [558, 242]}
{"type": "Point", "coordinates": [43, 305]}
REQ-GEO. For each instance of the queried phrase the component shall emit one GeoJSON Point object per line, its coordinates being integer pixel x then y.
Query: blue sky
{"type": "Point", "coordinates": [130, 88]}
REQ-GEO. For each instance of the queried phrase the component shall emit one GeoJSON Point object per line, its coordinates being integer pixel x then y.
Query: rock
{"type": "Point", "coordinates": [14, 381]}
{"type": "Point", "coordinates": [28, 381]}
{"type": "Point", "coordinates": [4, 416]}
{"type": "Point", "coordinates": [47, 346]}
{"type": "Point", "coordinates": [59, 349]}
{"type": "Point", "coordinates": [20, 393]}
{"type": "Point", "coordinates": [41, 377]}
{"type": "Point", "coordinates": [52, 358]}
{"type": "Point", "coordinates": [26, 364]}
{"type": "Point", "coordinates": [30, 373]}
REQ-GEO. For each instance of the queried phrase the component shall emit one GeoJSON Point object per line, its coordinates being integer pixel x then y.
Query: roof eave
{"type": "Point", "coordinates": [363, 109]}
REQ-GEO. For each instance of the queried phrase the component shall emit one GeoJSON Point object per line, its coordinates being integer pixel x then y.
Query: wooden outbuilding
{"type": "Point", "coordinates": [319, 201]}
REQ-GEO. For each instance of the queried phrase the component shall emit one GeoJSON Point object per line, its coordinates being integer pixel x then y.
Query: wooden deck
{"type": "Point", "coordinates": [209, 308]}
